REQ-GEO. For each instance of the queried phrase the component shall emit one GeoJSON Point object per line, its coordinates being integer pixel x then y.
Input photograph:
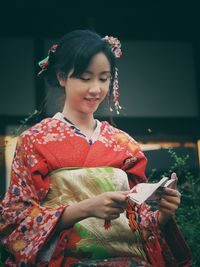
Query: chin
{"type": "Point", "coordinates": [91, 110]}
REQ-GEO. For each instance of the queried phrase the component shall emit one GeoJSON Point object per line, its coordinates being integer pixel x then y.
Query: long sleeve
{"type": "Point", "coordinates": [157, 245]}
{"type": "Point", "coordinates": [135, 167]}
{"type": "Point", "coordinates": [135, 163]}
{"type": "Point", "coordinates": [24, 224]}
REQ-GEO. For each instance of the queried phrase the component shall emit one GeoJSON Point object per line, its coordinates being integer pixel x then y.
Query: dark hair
{"type": "Point", "coordinates": [74, 51]}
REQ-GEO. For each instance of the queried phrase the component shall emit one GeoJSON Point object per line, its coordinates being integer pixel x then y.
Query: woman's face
{"type": "Point", "coordinates": [84, 94]}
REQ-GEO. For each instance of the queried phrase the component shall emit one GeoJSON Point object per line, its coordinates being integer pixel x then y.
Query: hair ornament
{"type": "Point", "coordinates": [45, 62]}
{"type": "Point", "coordinates": [115, 45]}
{"type": "Point", "coordinates": [116, 48]}
{"type": "Point", "coordinates": [116, 92]}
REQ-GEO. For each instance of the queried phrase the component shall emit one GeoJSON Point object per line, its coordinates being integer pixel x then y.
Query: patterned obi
{"type": "Point", "coordinates": [72, 185]}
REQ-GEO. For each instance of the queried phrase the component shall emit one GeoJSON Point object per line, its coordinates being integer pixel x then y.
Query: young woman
{"type": "Point", "coordinates": [67, 203]}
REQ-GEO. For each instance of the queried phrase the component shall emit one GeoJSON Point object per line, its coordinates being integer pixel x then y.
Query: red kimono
{"type": "Point", "coordinates": [54, 143]}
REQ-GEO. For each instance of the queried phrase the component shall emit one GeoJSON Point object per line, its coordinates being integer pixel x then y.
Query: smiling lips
{"type": "Point", "coordinates": [91, 101]}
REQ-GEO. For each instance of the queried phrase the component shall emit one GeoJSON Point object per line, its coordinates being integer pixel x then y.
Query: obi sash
{"type": "Point", "coordinates": [72, 185]}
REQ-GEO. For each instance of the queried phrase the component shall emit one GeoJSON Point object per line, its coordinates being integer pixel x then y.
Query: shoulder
{"type": "Point", "coordinates": [117, 133]}
{"type": "Point", "coordinates": [121, 137]}
{"type": "Point", "coordinates": [45, 130]}
{"type": "Point", "coordinates": [46, 125]}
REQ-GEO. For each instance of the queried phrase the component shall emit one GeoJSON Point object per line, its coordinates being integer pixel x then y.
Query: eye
{"type": "Point", "coordinates": [105, 79]}
{"type": "Point", "coordinates": [84, 79]}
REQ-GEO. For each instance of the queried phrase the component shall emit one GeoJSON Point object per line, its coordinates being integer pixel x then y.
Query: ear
{"type": "Point", "coordinates": [61, 78]}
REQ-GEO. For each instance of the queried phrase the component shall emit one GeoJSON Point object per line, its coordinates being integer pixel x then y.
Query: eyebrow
{"type": "Point", "coordinates": [103, 72]}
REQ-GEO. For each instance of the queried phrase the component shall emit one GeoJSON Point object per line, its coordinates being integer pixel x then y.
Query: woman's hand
{"type": "Point", "coordinates": [168, 203]}
{"type": "Point", "coordinates": [107, 205]}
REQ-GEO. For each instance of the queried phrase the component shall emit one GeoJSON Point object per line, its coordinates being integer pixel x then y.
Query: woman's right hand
{"type": "Point", "coordinates": [107, 205]}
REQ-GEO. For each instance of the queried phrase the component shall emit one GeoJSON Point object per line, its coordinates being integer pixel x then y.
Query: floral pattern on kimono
{"type": "Point", "coordinates": [25, 225]}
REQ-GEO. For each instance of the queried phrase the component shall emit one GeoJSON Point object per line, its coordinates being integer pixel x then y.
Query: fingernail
{"type": "Point", "coordinates": [126, 193]}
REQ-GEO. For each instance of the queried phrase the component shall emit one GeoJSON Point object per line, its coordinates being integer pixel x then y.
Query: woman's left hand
{"type": "Point", "coordinates": [168, 203]}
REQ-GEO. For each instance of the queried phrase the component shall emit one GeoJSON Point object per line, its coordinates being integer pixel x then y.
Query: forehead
{"type": "Point", "coordinates": [99, 62]}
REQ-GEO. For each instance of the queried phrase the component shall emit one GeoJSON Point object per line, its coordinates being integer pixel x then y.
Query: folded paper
{"type": "Point", "coordinates": [149, 191]}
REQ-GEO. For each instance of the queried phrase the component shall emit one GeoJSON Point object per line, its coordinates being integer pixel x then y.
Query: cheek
{"type": "Point", "coordinates": [75, 89]}
{"type": "Point", "coordinates": [105, 85]}
{"type": "Point", "coordinates": [105, 92]}
{"type": "Point", "coordinates": [106, 89]}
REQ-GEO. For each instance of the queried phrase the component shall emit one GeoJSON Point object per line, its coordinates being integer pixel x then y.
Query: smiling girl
{"type": "Point", "coordinates": [67, 203]}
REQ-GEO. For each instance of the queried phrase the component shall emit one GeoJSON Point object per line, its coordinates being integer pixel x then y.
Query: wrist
{"type": "Point", "coordinates": [84, 209]}
{"type": "Point", "coordinates": [163, 218]}
{"type": "Point", "coordinates": [73, 214]}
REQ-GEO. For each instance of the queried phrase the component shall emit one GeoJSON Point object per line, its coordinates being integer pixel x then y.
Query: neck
{"type": "Point", "coordinates": [80, 120]}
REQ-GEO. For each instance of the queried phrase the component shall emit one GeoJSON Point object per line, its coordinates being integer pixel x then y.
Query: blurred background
{"type": "Point", "coordinates": [158, 72]}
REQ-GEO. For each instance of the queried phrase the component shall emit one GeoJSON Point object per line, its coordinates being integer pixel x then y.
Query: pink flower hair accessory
{"type": "Point", "coordinates": [116, 92]}
{"type": "Point", "coordinates": [116, 49]}
{"type": "Point", "coordinates": [115, 45]}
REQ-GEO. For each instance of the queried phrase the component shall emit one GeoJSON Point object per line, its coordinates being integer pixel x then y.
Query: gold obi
{"type": "Point", "coordinates": [72, 185]}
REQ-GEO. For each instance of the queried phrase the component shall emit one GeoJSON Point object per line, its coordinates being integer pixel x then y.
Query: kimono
{"type": "Point", "coordinates": [26, 226]}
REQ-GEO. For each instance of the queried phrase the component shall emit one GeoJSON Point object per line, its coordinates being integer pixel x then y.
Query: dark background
{"type": "Point", "coordinates": [168, 21]}
{"type": "Point", "coordinates": [131, 21]}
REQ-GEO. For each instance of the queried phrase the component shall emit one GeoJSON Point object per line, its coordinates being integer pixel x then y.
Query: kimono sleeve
{"type": "Point", "coordinates": [135, 166]}
{"type": "Point", "coordinates": [24, 224]}
{"type": "Point", "coordinates": [167, 242]}
{"type": "Point", "coordinates": [135, 163]}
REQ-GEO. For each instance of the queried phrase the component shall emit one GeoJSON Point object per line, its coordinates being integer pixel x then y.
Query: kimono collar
{"type": "Point", "coordinates": [95, 135]}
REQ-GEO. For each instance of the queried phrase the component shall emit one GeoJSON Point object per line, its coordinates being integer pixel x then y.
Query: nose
{"type": "Point", "coordinates": [95, 87]}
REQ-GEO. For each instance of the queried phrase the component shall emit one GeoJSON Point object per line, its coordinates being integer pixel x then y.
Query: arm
{"type": "Point", "coordinates": [25, 225]}
{"type": "Point", "coordinates": [135, 166]}
{"type": "Point", "coordinates": [107, 206]}
{"type": "Point", "coordinates": [149, 221]}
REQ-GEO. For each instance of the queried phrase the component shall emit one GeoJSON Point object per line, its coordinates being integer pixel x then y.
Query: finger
{"type": "Point", "coordinates": [117, 205]}
{"type": "Point", "coordinates": [118, 197]}
{"type": "Point", "coordinates": [172, 200]}
{"type": "Point", "coordinates": [171, 192]}
{"type": "Point", "coordinates": [120, 205]}
{"type": "Point", "coordinates": [170, 209]}
{"type": "Point", "coordinates": [174, 176]}
{"type": "Point", "coordinates": [116, 210]}
{"type": "Point", "coordinates": [126, 193]}
{"type": "Point", "coordinates": [163, 203]}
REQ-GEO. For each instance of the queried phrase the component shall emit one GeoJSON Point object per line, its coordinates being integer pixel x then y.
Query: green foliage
{"type": "Point", "coordinates": [188, 214]}
{"type": "Point", "coordinates": [23, 123]}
